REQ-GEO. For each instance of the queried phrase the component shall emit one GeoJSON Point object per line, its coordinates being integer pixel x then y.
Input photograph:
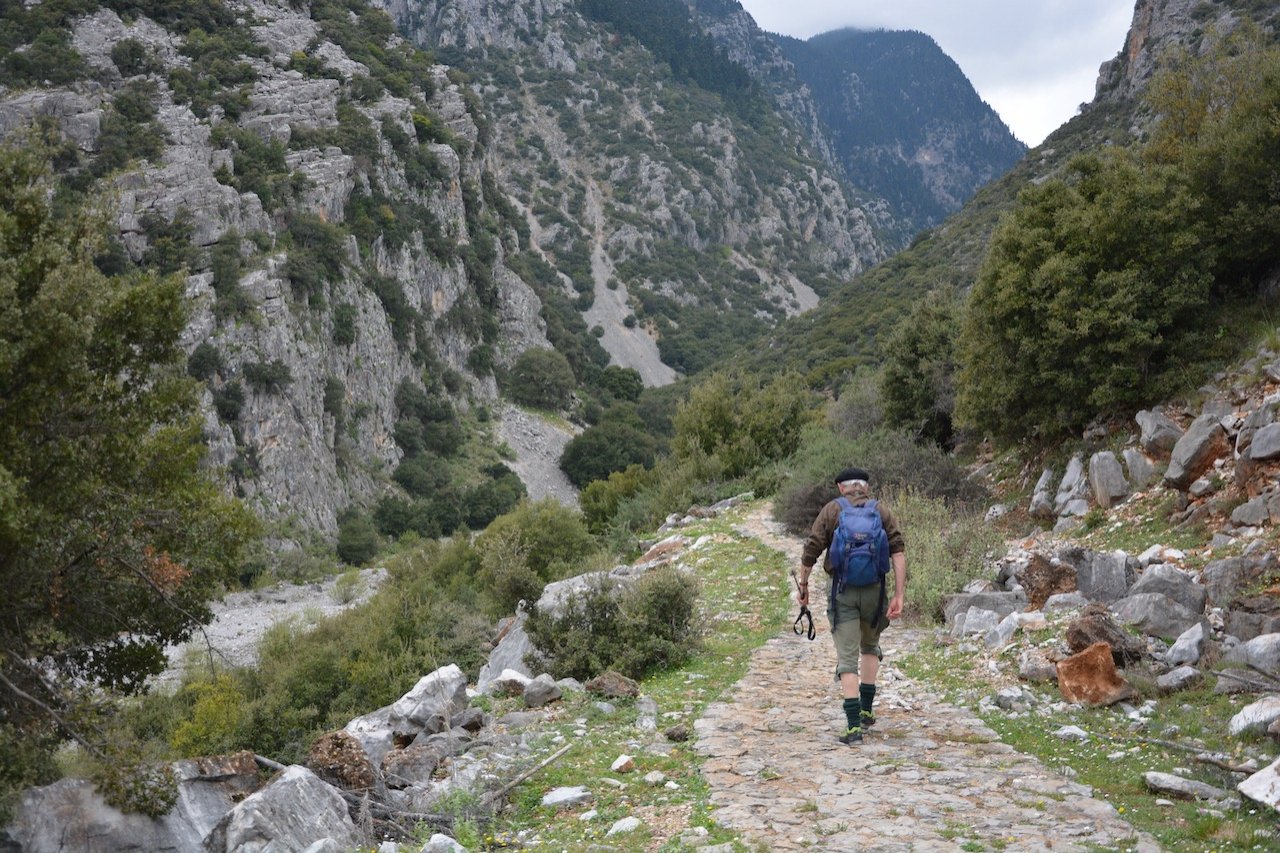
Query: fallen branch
{"type": "Point", "coordinates": [492, 798]}
{"type": "Point", "coordinates": [1204, 756]}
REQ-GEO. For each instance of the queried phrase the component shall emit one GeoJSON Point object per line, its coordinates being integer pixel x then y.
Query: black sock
{"type": "Point", "coordinates": [866, 696]}
{"type": "Point", "coordinates": [853, 713]}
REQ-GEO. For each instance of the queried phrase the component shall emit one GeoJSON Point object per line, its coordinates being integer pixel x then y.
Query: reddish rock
{"type": "Point", "coordinates": [1090, 678]}
{"type": "Point", "coordinates": [1043, 577]}
{"type": "Point", "coordinates": [339, 759]}
{"type": "Point", "coordinates": [613, 685]}
{"type": "Point", "coordinates": [1096, 625]}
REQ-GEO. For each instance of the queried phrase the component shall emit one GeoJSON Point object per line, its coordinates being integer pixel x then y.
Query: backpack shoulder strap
{"type": "Point", "coordinates": [871, 504]}
{"type": "Point", "coordinates": [844, 502]}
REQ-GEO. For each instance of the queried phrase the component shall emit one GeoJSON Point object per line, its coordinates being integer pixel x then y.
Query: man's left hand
{"type": "Point", "coordinates": [895, 607]}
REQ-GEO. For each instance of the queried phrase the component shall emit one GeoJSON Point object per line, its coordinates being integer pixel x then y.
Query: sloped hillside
{"type": "Point", "coordinates": [904, 122]}
{"type": "Point", "coordinates": [852, 327]}
{"type": "Point", "coordinates": [322, 184]}
{"type": "Point", "coordinates": [646, 162]}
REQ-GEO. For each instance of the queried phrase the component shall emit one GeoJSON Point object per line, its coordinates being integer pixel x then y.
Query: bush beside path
{"type": "Point", "coordinates": [928, 776]}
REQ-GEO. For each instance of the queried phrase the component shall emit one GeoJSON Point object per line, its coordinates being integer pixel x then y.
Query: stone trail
{"type": "Point", "coordinates": [929, 776]}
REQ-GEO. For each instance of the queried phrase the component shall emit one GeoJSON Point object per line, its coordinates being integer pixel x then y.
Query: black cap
{"type": "Point", "coordinates": [853, 474]}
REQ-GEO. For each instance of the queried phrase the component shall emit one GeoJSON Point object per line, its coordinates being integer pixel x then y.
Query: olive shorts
{"type": "Point", "coordinates": [854, 635]}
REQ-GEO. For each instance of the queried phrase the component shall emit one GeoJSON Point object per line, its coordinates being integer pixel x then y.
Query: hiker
{"type": "Point", "coordinates": [857, 611]}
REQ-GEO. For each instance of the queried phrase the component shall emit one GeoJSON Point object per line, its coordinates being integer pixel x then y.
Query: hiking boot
{"type": "Point", "coordinates": [868, 720]}
{"type": "Point", "coordinates": [852, 736]}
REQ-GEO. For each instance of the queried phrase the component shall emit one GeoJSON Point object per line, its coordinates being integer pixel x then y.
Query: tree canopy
{"type": "Point", "coordinates": [112, 535]}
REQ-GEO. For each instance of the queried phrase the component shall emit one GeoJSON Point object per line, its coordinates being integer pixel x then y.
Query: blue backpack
{"type": "Point", "coordinates": [860, 547]}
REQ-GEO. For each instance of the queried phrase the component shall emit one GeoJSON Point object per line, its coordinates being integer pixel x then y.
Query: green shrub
{"type": "Point", "coordinates": [1086, 303]}
{"type": "Point", "coordinates": [646, 627]}
{"type": "Point", "coordinates": [215, 723]}
{"type": "Point", "coordinates": [169, 247]}
{"type": "Point", "coordinates": [358, 541]}
{"type": "Point", "coordinates": [859, 407]}
{"type": "Point", "coordinates": [621, 383]}
{"type": "Point", "coordinates": [600, 499]}
{"type": "Point", "coordinates": [500, 495]}
{"type": "Point", "coordinates": [335, 395]}
{"type": "Point", "coordinates": [537, 542]}
{"type": "Point", "coordinates": [612, 445]}
{"type": "Point", "coordinates": [135, 786]}
{"type": "Point", "coordinates": [230, 300]}
{"type": "Point", "coordinates": [267, 377]}
{"type": "Point", "coordinates": [895, 462]}
{"type": "Point", "coordinates": [946, 548]}
{"type": "Point", "coordinates": [205, 361]}
{"type": "Point", "coordinates": [541, 378]}
{"type": "Point", "coordinates": [427, 422]}
{"type": "Point", "coordinates": [131, 58]}
{"type": "Point", "coordinates": [741, 421]}
{"type": "Point", "coordinates": [228, 401]}
{"type": "Point", "coordinates": [422, 475]}
{"type": "Point", "coordinates": [918, 381]}
{"type": "Point", "coordinates": [344, 325]}
{"type": "Point", "coordinates": [26, 759]}
{"type": "Point", "coordinates": [49, 60]}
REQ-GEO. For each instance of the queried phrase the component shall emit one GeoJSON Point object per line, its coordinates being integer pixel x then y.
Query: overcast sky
{"type": "Point", "coordinates": [1034, 61]}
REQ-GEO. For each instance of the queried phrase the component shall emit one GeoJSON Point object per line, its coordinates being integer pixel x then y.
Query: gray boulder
{"type": "Point", "coordinates": [1173, 582]}
{"type": "Point", "coordinates": [1000, 603]}
{"type": "Point", "coordinates": [1041, 499]}
{"type": "Point", "coordinates": [1179, 679]}
{"type": "Point", "coordinates": [440, 694]}
{"type": "Point", "coordinates": [1184, 789]}
{"type": "Point", "coordinates": [1255, 718]}
{"type": "Point", "coordinates": [1141, 472]}
{"type": "Point", "coordinates": [1064, 601]}
{"type": "Point", "coordinates": [1155, 614]}
{"type": "Point", "coordinates": [1260, 653]}
{"type": "Point", "coordinates": [1204, 441]}
{"type": "Point", "coordinates": [1252, 616]}
{"type": "Point", "coordinates": [1159, 433]}
{"type": "Point", "coordinates": [1073, 485]}
{"type": "Point", "coordinates": [974, 622]}
{"type": "Point", "coordinates": [436, 696]}
{"type": "Point", "coordinates": [1106, 478]}
{"type": "Point", "coordinates": [292, 812]}
{"type": "Point", "coordinates": [1264, 786]}
{"type": "Point", "coordinates": [542, 690]}
{"type": "Point", "coordinates": [1225, 579]}
{"type": "Point", "coordinates": [70, 814]}
{"type": "Point", "coordinates": [1189, 646]}
{"type": "Point", "coordinates": [1101, 577]}
{"type": "Point", "coordinates": [509, 653]}
{"type": "Point", "coordinates": [1266, 443]}
{"type": "Point", "coordinates": [412, 765]}
{"type": "Point", "coordinates": [1256, 420]}
{"type": "Point", "coordinates": [441, 843]}
{"type": "Point", "coordinates": [1252, 513]}
{"type": "Point", "coordinates": [566, 798]}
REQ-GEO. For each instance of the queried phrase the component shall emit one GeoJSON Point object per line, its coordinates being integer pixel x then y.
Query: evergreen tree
{"type": "Point", "coordinates": [112, 536]}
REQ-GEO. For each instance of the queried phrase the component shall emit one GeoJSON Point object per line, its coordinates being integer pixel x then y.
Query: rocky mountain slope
{"type": "Point", "coordinates": [371, 237]}
{"type": "Point", "coordinates": [851, 328]}
{"type": "Point", "coordinates": [904, 121]}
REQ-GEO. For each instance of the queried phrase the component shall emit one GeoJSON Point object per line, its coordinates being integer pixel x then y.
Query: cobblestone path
{"type": "Point", "coordinates": [929, 776]}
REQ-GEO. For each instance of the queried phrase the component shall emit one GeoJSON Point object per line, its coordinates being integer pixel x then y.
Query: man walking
{"type": "Point", "coordinates": [857, 613]}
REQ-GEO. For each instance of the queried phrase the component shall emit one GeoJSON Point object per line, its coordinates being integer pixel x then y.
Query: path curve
{"type": "Point", "coordinates": [929, 776]}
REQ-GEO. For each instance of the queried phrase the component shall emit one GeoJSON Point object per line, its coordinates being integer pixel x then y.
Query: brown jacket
{"type": "Point", "coordinates": [824, 527]}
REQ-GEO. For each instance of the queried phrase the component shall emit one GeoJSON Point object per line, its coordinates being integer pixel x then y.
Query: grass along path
{"type": "Point", "coordinates": [930, 775]}
{"type": "Point", "coordinates": [765, 772]}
